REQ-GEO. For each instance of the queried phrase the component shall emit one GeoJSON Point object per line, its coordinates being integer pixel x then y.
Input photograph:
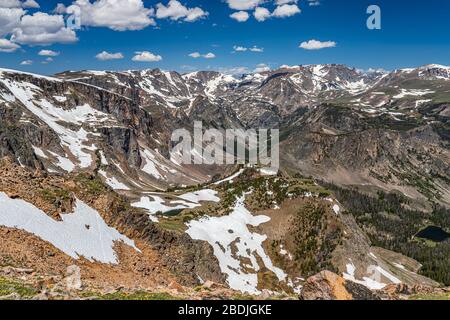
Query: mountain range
{"type": "Point", "coordinates": [361, 152]}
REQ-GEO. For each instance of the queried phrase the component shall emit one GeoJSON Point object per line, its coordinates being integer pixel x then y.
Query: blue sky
{"type": "Point", "coordinates": [413, 33]}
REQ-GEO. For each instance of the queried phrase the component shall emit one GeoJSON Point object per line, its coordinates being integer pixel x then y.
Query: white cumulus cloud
{"type": "Point", "coordinates": [281, 2]}
{"type": "Point", "coordinates": [243, 4]}
{"type": "Point", "coordinates": [317, 45]}
{"type": "Point", "coordinates": [10, 4]}
{"type": "Point", "coordinates": [256, 49]}
{"type": "Point", "coordinates": [43, 29]}
{"type": "Point", "coordinates": [235, 71]}
{"type": "Point", "coordinates": [239, 49]}
{"type": "Point", "coordinates": [105, 56]}
{"type": "Point", "coordinates": [262, 67]}
{"type": "Point", "coordinates": [8, 46]}
{"type": "Point", "coordinates": [26, 63]}
{"type": "Point", "coordinates": [261, 14]}
{"type": "Point", "coordinates": [176, 11]}
{"type": "Point", "coordinates": [146, 56]}
{"type": "Point", "coordinates": [31, 4]}
{"type": "Point", "coordinates": [313, 3]}
{"type": "Point", "coordinates": [244, 49]}
{"type": "Point", "coordinates": [9, 19]}
{"type": "Point", "coordinates": [48, 53]}
{"type": "Point", "coordinates": [118, 15]}
{"type": "Point", "coordinates": [60, 8]}
{"type": "Point", "coordinates": [197, 55]}
{"type": "Point", "coordinates": [286, 10]}
{"type": "Point", "coordinates": [240, 16]}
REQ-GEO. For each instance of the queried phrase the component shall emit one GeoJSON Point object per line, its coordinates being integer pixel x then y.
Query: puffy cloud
{"type": "Point", "coordinates": [262, 67]}
{"type": "Point", "coordinates": [197, 55]}
{"type": "Point", "coordinates": [104, 56]}
{"type": "Point", "coordinates": [176, 11]}
{"type": "Point", "coordinates": [317, 45]}
{"type": "Point", "coordinates": [281, 2]}
{"type": "Point", "coordinates": [256, 49]}
{"type": "Point", "coordinates": [313, 3]}
{"type": "Point", "coordinates": [48, 53]}
{"type": "Point", "coordinates": [47, 61]}
{"type": "Point", "coordinates": [209, 56]}
{"type": "Point", "coordinates": [243, 4]}
{"type": "Point", "coordinates": [9, 19]}
{"type": "Point", "coordinates": [286, 10]}
{"type": "Point", "coordinates": [10, 4]}
{"type": "Point", "coordinates": [239, 49]}
{"type": "Point", "coordinates": [43, 29]}
{"type": "Point", "coordinates": [31, 4]}
{"type": "Point", "coordinates": [19, 4]}
{"type": "Point", "coordinates": [240, 16]}
{"type": "Point", "coordinates": [244, 49]}
{"type": "Point", "coordinates": [235, 70]}
{"type": "Point", "coordinates": [60, 8]}
{"type": "Point", "coordinates": [26, 63]}
{"type": "Point", "coordinates": [118, 15]}
{"type": "Point", "coordinates": [146, 56]}
{"type": "Point", "coordinates": [8, 46]}
{"type": "Point", "coordinates": [261, 14]}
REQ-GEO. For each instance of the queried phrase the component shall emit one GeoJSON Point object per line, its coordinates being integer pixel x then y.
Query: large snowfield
{"type": "Point", "coordinates": [154, 203]}
{"type": "Point", "coordinates": [232, 242]}
{"type": "Point", "coordinates": [82, 233]}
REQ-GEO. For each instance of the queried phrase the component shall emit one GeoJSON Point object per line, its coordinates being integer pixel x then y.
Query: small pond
{"type": "Point", "coordinates": [433, 233]}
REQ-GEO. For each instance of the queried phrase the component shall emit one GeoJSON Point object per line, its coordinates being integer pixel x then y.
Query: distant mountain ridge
{"type": "Point", "coordinates": [126, 118]}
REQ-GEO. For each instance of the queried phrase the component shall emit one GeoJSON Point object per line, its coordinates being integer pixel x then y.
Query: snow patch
{"type": "Point", "coordinates": [202, 195]}
{"type": "Point", "coordinates": [186, 201]}
{"type": "Point", "coordinates": [60, 98]}
{"type": "Point", "coordinates": [232, 241]}
{"type": "Point", "coordinates": [413, 92]}
{"type": "Point", "coordinates": [82, 233]}
{"type": "Point", "coordinates": [370, 282]}
{"type": "Point", "coordinates": [336, 209]}
{"type": "Point", "coordinates": [230, 178]}
{"type": "Point", "coordinates": [113, 182]}
{"type": "Point", "coordinates": [103, 160]}
{"type": "Point", "coordinates": [38, 151]}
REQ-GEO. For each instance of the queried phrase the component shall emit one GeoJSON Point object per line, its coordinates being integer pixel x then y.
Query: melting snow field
{"type": "Point", "coordinates": [187, 201]}
{"type": "Point", "coordinates": [230, 178]}
{"type": "Point", "coordinates": [373, 284]}
{"type": "Point", "coordinates": [336, 209]}
{"type": "Point", "coordinates": [81, 233]}
{"type": "Point", "coordinates": [113, 182]}
{"type": "Point", "coordinates": [413, 93]}
{"type": "Point", "coordinates": [202, 195]}
{"type": "Point", "coordinates": [153, 166]}
{"type": "Point", "coordinates": [232, 241]}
